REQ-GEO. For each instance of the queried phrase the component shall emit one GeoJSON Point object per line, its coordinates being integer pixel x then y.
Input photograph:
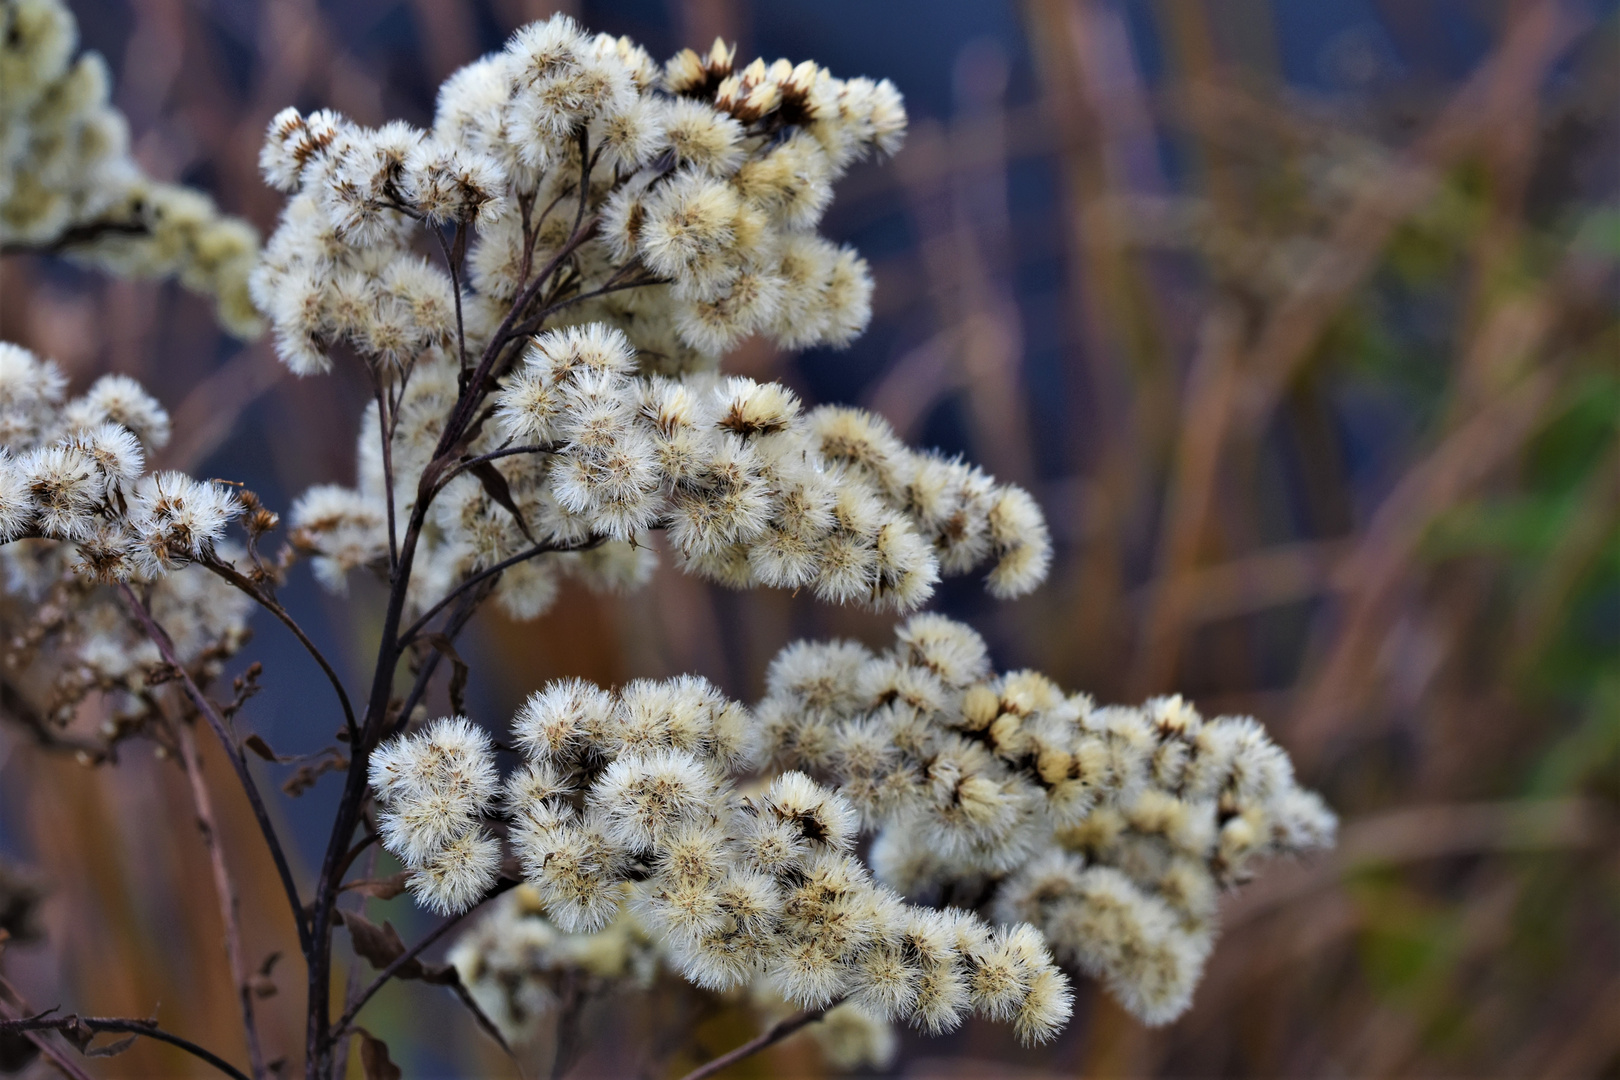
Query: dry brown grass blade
{"type": "Point", "coordinates": [1371, 574]}
{"type": "Point", "coordinates": [1514, 73]}
{"type": "Point", "coordinates": [1267, 578]}
{"type": "Point", "coordinates": [1207, 412]}
{"type": "Point", "coordinates": [1416, 833]}
{"type": "Point", "coordinates": [1117, 323]}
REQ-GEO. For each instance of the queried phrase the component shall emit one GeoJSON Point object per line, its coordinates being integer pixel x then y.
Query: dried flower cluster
{"type": "Point", "coordinates": [1111, 828]}
{"type": "Point", "coordinates": [1108, 829]}
{"type": "Point", "coordinates": [74, 471]}
{"type": "Point", "coordinates": [67, 181]}
{"type": "Point", "coordinates": [655, 216]}
{"type": "Point", "coordinates": [519, 965]}
{"type": "Point", "coordinates": [521, 968]}
{"type": "Point", "coordinates": [628, 798]}
{"type": "Point", "coordinates": [565, 146]}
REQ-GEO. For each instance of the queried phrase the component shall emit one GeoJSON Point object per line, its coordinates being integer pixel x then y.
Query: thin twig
{"type": "Point", "coordinates": [385, 427]}
{"type": "Point", "coordinates": [585, 164]}
{"type": "Point", "coordinates": [270, 604]}
{"type": "Point", "coordinates": [453, 264]}
{"type": "Point", "coordinates": [114, 1024]}
{"type": "Point", "coordinates": [224, 888]}
{"type": "Point", "coordinates": [546, 313]}
{"type": "Point", "coordinates": [461, 414]}
{"type": "Point", "coordinates": [410, 954]}
{"type": "Point", "coordinates": [166, 648]}
{"type": "Point", "coordinates": [506, 564]}
{"type": "Point", "coordinates": [494, 455]}
{"type": "Point", "coordinates": [452, 627]}
{"type": "Point", "coordinates": [351, 982]}
{"type": "Point", "coordinates": [771, 1035]}
{"type": "Point", "coordinates": [41, 1039]}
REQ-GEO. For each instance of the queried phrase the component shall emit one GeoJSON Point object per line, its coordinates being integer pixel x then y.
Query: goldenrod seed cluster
{"type": "Point", "coordinates": [433, 789]}
{"type": "Point", "coordinates": [1103, 834]}
{"type": "Point", "coordinates": [78, 511]}
{"type": "Point", "coordinates": [650, 217]}
{"type": "Point", "coordinates": [568, 146]}
{"type": "Point", "coordinates": [627, 798]}
{"type": "Point", "coordinates": [521, 968]}
{"type": "Point", "coordinates": [1110, 828]}
{"type": "Point", "coordinates": [76, 471]}
{"type": "Point", "coordinates": [67, 181]}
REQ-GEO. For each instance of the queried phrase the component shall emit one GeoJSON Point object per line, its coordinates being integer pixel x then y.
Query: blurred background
{"type": "Point", "coordinates": [1301, 320]}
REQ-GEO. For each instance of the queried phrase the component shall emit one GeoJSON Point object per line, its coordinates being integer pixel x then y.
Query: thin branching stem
{"type": "Point", "coordinates": [452, 261]}
{"type": "Point", "coordinates": [270, 604]}
{"type": "Point", "coordinates": [494, 455]}
{"type": "Point", "coordinates": [769, 1037]}
{"type": "Point", "coordinates": [386, 428]}
{"type": "Point", "coordinates": [404, 958]}
{"type": "Point", "coordinates": [121, 1026]}
{"type": "Point", "coordinates": [470, 397]}
{"type": "Point", "coordinates": [483, 575]}
{"type": "Point", "coordinates": [424, 676]}
{"type": "Point", "coordinates": [160, 638]}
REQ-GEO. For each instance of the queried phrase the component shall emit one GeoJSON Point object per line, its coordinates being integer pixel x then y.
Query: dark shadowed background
{"type": "Point", "coordinates": [1299, 319]}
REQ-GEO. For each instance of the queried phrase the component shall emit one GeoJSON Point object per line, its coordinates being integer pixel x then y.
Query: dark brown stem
{"type": "Point", "coordinates": [770, 1036]}
{"type": "Point", "coordinates": [119, 1025]}
{"type": "Point", "coordinates": [225, 890]}
{"type": "Point", "coordinates": [58, 1056]}
{"type": "Point", "coordinates": [355, 852]}
{"type": "Point", "coordinates": [412, 953]}
{"type": "Point", "coordinates": [386, 428]}
{"type": "Point", "coordinates": [494, 455]}
{"type": "Point", "coordinates": [484, 575]}
{"type": "Point", "coordinates": [547, 312]}
{"type": "Point", "coordinates": [206, 707]}
{"type": "Point", "coordinates": [585, 164]}
{"type": "Point", "coordinates": [351, 983]}
{"type": "Point", "coordinates": [458, 619]}
{"type": "Point", "coordinates": [452, 260]}
{"type": "Point", "coordinates": [270, 604]}
{"type": "Point", "coordinates": [462, 414]}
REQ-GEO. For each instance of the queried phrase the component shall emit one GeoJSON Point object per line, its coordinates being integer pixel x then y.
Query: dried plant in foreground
{"type": "Point", "coordinates": [539, 289]}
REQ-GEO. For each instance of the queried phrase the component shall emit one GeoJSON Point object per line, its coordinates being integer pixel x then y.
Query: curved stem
{"type": "Point", "coordinates": [452, 262]}
{"type": "Point", "coordinates": [494, 455]}
{"type": "Point", "coordinates": [120, 1025]}
{"type": "Point", "coordinates": [771, 1035]}
{"type": "Point", "coordinates": [404, 958]}
{"type": "Point", "coordinates": [462, 413]}
{"type": "Point", "coordinates": [545, 313]}
{"type": "Point", "coordinates": [386, 428]}
{"type": "Point", "coordinates": [270, 604]}
{"type": "Point", "coordinates": [484, 575]}
{"type": "Point", "coordinates": [166, 648]}
{"type": "Point", "coordinates": [458, 619]}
